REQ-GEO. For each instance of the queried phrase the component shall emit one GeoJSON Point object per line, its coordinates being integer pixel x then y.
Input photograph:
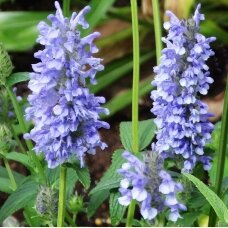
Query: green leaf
{"type": "Point", "coordinates": [116, 210]}
{"type": "Point", "coordinates": [31, 216]}
{"type": "Point", "coordinates": [111, 178]}
{"type": "Point", "coordinates": [19, 178]}
{"type": "Point", "coordinates": [210, 28]}
{"type": "Point", "coordinates": [96, 200]}
{"type": "Point", "coordinates": [83, 176]}
{"type": "Point", "coordinates": [123, 99]}
{"type": "Point", "coordinates": [19, 199]}
{"type": "Point", "coordinates": [19, 157]}
{"type": "Point", "coordinates": [146, 134]}
{"type": "Point", "coordinates": [217, 204]}
{"type": "Point", "coordinates": [5, 185]}
{"type": "Point", "coordinates": [71, 179]}
{"type": "Point", "coordinates": [16, 78]}
{"type": "Point", "coordinates": [18, 29]}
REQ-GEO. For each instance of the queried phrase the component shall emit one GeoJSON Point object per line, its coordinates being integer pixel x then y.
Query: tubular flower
{"type": "Point", "coordinates": [182, 119]}
{"type": "Point", "coordinates": [147, 183]}
{"type": "Point", "coordinates": [65, 113]}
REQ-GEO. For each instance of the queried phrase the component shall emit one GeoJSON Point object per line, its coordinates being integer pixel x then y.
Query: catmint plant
{"type": "Point", "coordinates": [150, 185]}
{"type": "Point", "coordinates": [64, 111]}
{"type": "Point", "coordinates": [182, 118]}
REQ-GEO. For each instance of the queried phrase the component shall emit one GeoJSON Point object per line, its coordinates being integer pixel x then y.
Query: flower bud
{"type": "Point", "coordinates": [6, 65]}
{"type": "Point", "coordinates": [46, 202]}
{"type": "Point", "coordinates": [76, 203]}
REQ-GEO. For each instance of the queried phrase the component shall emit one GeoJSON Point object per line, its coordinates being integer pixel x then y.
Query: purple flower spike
{"type": "Point", "coordinates": [64, 112]}
{"type": "Point", "coordinates": [152, 187]}
{"type": "Point", "coordinates": [182, 119]}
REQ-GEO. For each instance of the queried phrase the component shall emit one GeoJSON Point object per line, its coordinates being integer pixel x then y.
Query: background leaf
{"type": "Point", "coordinates": [18, 29]}
{"type": "Point", "coordinates": [95, 201]}
{"type": "Point", "coordinates": [16, 78]}
{"type": "Point", "coordinates": [5, 185]}
{"type": "Point", "coordinates": [19, 199]}
{"type": "Point", "coordinates": [19, 157]}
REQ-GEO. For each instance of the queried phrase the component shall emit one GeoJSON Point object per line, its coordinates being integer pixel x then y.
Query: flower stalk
{"type": "Point", "coordinates": [221, 156]}
{"type": "Point", "coordinates": [135, 95]}
{"type": "Point", "coordinates": [157, 29]}
{"type": "Point", "coordinates": [62, 196]}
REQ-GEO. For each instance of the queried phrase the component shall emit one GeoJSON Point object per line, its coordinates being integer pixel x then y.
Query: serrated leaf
{"type": "Point", "coordinates": [146, 134]}
{"type": "Point", "coordinates": [19, 199]}
{"type": "Point", "coordinates": [96, 200]}
{"type": "Point", "coordinates": [83, 176]}
{"type": "Point", "coordinates": [111, 178]}
{"type": "Point", "coordinates": [217, 204]}
{"type": "Point", "coordinates": [71, 179]}
{"type": "Point", "coordinates": [19, 157]}
{"type": "Point", "coordinates": [116, 210]}
{"type": "Point", "coordinates": [16, 78]}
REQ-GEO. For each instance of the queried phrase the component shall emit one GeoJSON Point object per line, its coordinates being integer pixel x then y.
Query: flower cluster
{"type": "Point", "coordinates": [151, 186]}
{"type": "Point", "coordinates": [182, 119]}
{"type": "Point", "coordinates": [65, 113]}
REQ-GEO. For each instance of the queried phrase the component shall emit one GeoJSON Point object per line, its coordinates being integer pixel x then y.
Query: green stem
{"type": "Point", "coordinates": [221, 156]}
{"type": "Point", "coordinates": [62, 196]}
{"type": "Point", "coordinates": [22, 125]}
{"type": "Point", "coordinates": [10, 174]}
{"type": "Point", "coordinates": [157, 28]}
{"type": "Point", "coordinates": [135, 87]}
{"type": "Point", "coordinates": [70, 220]}
{"type": "Point", "coordinates": [66, 8]}
{"type": "Point", "coordinates": [135, 95]}
{"type": "Point", "coordinates": [130, 213]}
{"type": "Point", "coordinates": [75, 216]}
{"type": "Point", "coordinates": [21, 147]}
{"type": "Point", "coordinates": [63, 170]}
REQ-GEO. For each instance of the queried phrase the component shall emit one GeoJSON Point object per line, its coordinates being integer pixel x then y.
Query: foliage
{"type": "Point", "coordinates": [84, 195]}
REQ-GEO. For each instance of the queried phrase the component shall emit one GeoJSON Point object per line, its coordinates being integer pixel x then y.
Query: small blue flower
{"type": "Point", "coordinates": [182, 119]}
{"type": "Point", "coordinates": [151, 186]}
{"type": "Point", "coordinates": [64, 112]}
